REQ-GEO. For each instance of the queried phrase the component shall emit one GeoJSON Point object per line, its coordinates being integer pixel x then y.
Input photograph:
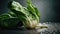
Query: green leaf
{"type": "Point", "coordinates": [33, 10]}
{"type": "Point", "coordinates": [8, 20]}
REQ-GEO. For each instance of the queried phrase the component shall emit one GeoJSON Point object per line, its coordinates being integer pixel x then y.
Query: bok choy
{"type": "Point", "coordinates": [28, 15]}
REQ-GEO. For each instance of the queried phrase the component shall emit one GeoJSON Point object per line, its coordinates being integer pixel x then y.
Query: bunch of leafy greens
{"type": "Point", "coordinates": [28, 15]}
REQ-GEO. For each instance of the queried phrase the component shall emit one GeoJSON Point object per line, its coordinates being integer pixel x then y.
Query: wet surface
{"type": "Point", "coordinates": [53, 28]}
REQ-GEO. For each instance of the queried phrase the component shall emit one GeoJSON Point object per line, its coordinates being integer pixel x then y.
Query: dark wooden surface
{"type": "Point", "coordinates": [53, 28]}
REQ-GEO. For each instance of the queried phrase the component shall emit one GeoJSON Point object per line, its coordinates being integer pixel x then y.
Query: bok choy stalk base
{"type": "Point", "coordinates": [28, 15]}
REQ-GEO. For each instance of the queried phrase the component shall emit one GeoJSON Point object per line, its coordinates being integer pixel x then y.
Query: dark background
{"type": "Point", "coordinates": [49, 9]}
